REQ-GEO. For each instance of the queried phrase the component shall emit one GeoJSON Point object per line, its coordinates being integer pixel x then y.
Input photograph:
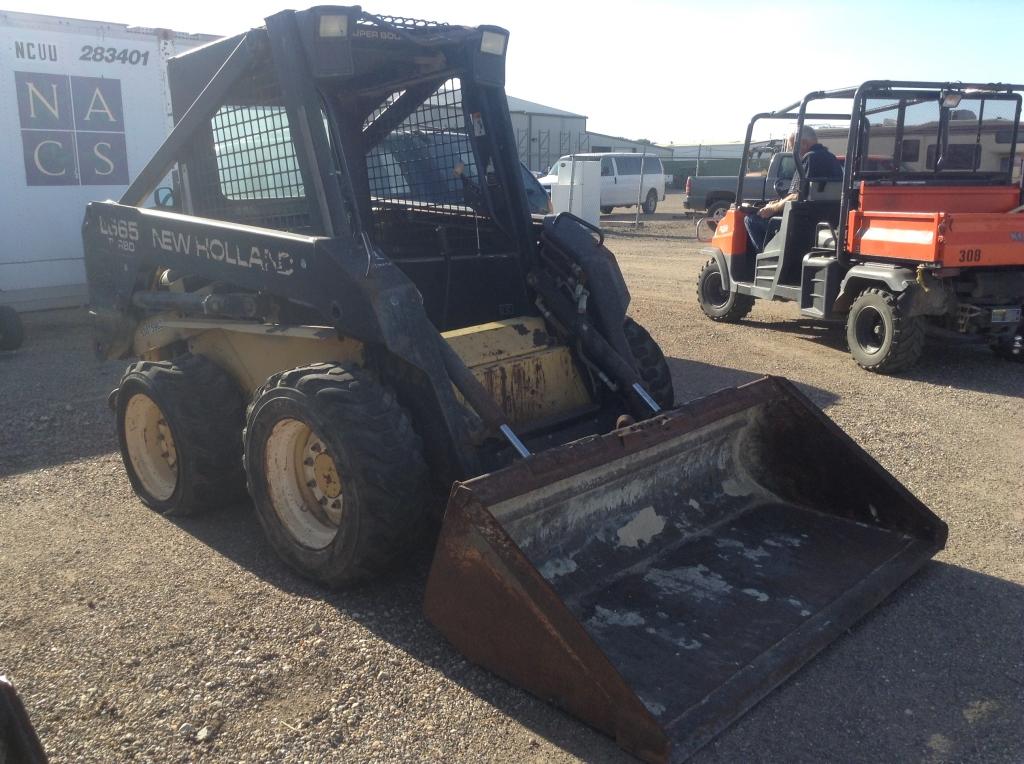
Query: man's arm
{"type": "Point", "coordinates": [774, 208]}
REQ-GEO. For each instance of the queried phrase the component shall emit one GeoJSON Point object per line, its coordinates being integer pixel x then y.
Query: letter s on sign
{"type": "Point", "coordinates": [104, 158]}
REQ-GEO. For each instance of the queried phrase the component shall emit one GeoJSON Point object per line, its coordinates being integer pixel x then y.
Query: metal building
{"type": "Point", "coordinates": [544, 133]}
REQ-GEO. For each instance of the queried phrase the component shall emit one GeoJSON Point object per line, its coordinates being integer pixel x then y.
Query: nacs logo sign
{"type": "Point", "coordinates": [72, 130]}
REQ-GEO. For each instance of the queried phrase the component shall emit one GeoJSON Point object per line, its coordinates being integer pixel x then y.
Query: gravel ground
{"type": "Point", "coordinates": [134, 637]}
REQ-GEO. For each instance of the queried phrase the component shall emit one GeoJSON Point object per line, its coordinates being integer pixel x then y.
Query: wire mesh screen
{"type": "Point", "coordinates": [428, 160]}
{"type": "Point", "coordinates": [247, 171]}
{"type": "Point", "coordinates": [255, 153]}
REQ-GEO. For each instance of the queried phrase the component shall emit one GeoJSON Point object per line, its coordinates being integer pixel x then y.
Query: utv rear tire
{"type": "Point", "coordinates": [651, 363]}
{"type": "Point", "coordinates": [179, 425]}
{"type": "Point", "coordinates": [881, 337]}
{"type": "Point", "coordinates": [336, 472]}
{"type": "Point", "coordinates": [12, 331]}
{"type": "Point", "coordinates": [717, 303]}
{"type": "Point", "coordinates": [650, 204]}
{"type": "Point", "coordinates": [606, 210]}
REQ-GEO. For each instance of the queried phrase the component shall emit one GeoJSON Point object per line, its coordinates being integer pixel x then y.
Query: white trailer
{"type": "Point", "coordinates": [83, 106]}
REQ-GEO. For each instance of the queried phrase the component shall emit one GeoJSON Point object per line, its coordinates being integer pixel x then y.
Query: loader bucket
{"type": "Point", "coordinates": [659, 580]}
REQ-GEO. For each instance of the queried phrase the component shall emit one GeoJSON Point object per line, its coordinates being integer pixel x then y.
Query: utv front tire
{"type": "Point", "coordinates": [651, 363]}
{"type": "Point", "coordinates": [179, 425]}
{"type": "Point", "coordinates": [881, 337]}
{"type": "Point", "coordinates": [336, 472]}
{"type": "Point", "coordinates": [718, 303]}
{"type": "Point", "coordinates": [12, 331]}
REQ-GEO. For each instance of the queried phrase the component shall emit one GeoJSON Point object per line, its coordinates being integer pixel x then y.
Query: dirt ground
{"type": "Point", "coordinates": [134, 637]}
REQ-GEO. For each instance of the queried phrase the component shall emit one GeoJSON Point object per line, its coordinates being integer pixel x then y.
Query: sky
{"type": "Point", "coordinates": [671, 71]}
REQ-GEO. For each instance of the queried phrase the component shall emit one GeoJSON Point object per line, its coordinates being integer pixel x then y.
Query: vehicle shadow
{"type": "Point", "coordinates": [693, 379]}
{"type": "Point", "coordinates": [933, 673]}
{"type": "Point", "coordinates": [944, 364]}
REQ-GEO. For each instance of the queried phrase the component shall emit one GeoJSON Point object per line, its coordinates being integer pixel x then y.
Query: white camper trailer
{"type": "Point", "coordinates": [84, 106]}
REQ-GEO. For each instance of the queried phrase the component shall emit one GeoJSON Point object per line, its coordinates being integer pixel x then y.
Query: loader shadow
{"type": "Point", "coordinates": [693, 379]}
{"type": "Point", "coordinates": [931, 674]}
{"type": "Point", "coordinates": [392, 609]}
{"type": "Point", "coordinates": [53, 409]}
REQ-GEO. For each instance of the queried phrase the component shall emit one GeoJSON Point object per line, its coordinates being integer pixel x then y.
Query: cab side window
{"type": "Point", "coordinates": [628, 165]}
{"type": "Point", "coordinates": [607, 170]}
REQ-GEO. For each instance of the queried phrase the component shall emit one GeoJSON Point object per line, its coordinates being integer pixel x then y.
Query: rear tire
{"type": "Point", "coordinates": [12, 331]}
{"type": "Point", "coordinates": [336, 472]}
{"type": "Point", "coordinates": [717, 303]}
{"type": "Point", "coordinates": [881, 337]}
{"type": "Point", "coordinates": [650, 204]}
{"type": "Point", "coordinates": [606, 210]}
{"type": "Point", "coordinates": [650, 363]}
{"type": "Point", "coordinates": [179, 425]}
{"type": "Point", "coordinates": [716, 211]}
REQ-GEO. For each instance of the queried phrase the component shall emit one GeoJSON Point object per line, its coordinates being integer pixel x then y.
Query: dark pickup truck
{"type": "Point", "coordinates": [715, 193]}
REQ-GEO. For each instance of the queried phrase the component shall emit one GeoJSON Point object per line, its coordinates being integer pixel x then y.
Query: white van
{"type": "Point", "coordinates": [620, 180]}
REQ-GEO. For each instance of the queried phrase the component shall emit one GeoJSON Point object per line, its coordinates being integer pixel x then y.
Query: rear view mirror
{"type": "Point", "coordinates": [164, 197]}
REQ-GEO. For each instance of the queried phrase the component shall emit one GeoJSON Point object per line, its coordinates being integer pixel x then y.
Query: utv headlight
{"type": "Point", "coordinates": [333, 25]}
{"type": "Point", "coordinates": [493, 43]}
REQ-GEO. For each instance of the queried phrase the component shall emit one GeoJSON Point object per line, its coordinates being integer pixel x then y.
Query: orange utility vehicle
{"type": "Point", "coordinates": [931, 242]}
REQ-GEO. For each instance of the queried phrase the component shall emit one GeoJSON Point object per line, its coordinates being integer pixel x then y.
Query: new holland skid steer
{"type": "Point", "coordinates": [342, 302]}
{"type": "Point", "coordinates": [924, 235]}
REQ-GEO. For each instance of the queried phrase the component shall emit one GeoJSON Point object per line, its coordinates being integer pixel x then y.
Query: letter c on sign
{"type": "Point", "coordinates": [39, 163]}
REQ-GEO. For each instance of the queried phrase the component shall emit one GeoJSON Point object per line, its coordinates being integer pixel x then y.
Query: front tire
{"type": "Point", "coordinates": [881, 337]}
{"type": "Point", "coordinates": [718, 303]}
{"type": "Point", "coordinates": [606, 210]}
{"type": "Point", "coordinates": [12, 331]}
{"type": "Point", "coordinates": [336, 472]}
{"type": "Point", "coordinates": [651, 363]}
{"type": "Point", "coordinates": [179, 425]}
{"type": "Point", "coordinates": [650, 204]}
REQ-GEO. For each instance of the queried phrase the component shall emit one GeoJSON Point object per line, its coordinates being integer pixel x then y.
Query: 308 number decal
{"type": "Point", "coordinates": [970, 255]}
{"type": "Point", "coordinates": [112, 55]}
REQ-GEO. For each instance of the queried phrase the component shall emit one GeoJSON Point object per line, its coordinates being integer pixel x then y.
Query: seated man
{"type": "Point", "coordinates": [819, 164]}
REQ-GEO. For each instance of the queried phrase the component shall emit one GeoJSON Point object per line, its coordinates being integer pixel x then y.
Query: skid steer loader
{"type": "Point", "coordinates": [341, 301]}
{"type": "Point", "coordinates": [922, 236]}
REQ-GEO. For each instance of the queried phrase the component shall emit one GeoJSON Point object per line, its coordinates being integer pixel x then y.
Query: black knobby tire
{"type": "Point", "coordinates": [606, 210]}
{"type": "Point", "coordinates": [202, 409]}
{"type": "Point", "coordinates": [881, 337]}
{"type": "Point", "coordinates": [717, 303]}
{"type": "Point", "coordinates": [650, 204]}
{"type": "Point", "coordinates": [12, 331]}
{"type": "Point", "coordinates": [385, 494]}
{"type": "Point", "coordinates": [650, 363]}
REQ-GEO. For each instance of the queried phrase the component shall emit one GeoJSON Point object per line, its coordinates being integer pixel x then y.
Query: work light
{"type": "Point", "coordinates": [493, 43]}
{"type": "Point", "coordinates": [333, 25]}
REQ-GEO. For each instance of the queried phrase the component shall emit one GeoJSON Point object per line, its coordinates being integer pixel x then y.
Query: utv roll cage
{"type": "Point", "coordinates": [899, 94]}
